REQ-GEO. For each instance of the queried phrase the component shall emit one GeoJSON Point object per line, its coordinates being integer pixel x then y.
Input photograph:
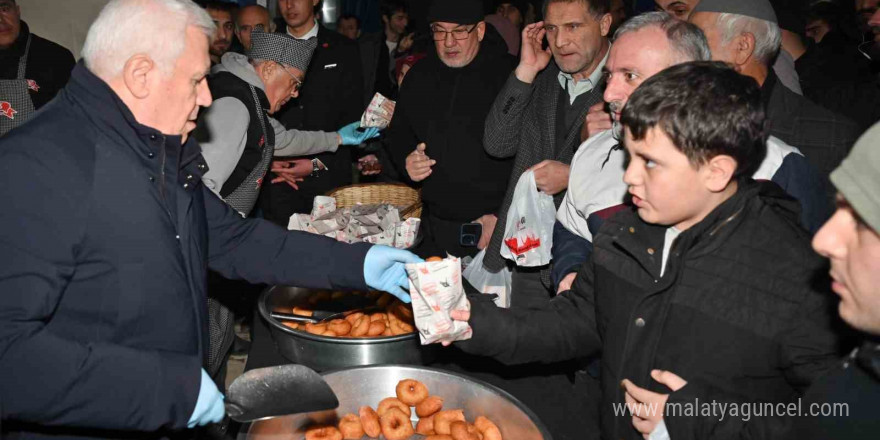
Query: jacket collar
{"type": "Point", "coordinates": [102, 105]}
{"type": "Point", "coordinates": [644, 241]}
{"type": "Point", "coordinates": [868, 357]}
{"type": "Point", "coordinates": [768, 87]}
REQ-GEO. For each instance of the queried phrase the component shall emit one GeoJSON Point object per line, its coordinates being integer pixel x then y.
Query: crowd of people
{"type": "Point", "coordinates": [712, 163]}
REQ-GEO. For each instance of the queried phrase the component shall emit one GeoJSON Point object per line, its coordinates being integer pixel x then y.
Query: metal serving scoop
{"type": "Point", "coordinates": [321, 316]}
{"type": "Point", "coordinates": [278, 391]}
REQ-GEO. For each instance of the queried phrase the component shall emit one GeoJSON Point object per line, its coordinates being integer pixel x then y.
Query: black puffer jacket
{"type": "Point", "coordinates": [736, 314]}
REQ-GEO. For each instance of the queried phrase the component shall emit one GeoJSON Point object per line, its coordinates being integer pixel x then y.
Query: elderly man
{"type": "Point", "coordinates": [538, 115]}
{"type": "Point", "coordinates": [247, 19]}
{"type": "Point", "coordinates": [783, 64]}
{"type": "Point", "coordinates": [745, 35]}
{"type": "Point", "coordinates": [32, 69]}
{"type": "Point", "coordinates": [239, 139]}
{"type": "Point", "coordinates": [104, 276]}
{"type": "Point", "coordinates": [332, 98]}
{"type": "Point", "coordinates": [643, 46]}
{"type": "Point", "coordinates": [222, 13]}
{"type": "Point", "coordinates": [851, 240]}
{"type": "Point", "coordinates": [436, 132]}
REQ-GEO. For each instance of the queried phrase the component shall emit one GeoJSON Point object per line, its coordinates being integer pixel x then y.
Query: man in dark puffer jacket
{"type": "Point", "coordinates": [711, 279]}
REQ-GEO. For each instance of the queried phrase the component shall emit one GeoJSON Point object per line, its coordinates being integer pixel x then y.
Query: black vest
{"type": "Point", "coordinates": [225, 84]}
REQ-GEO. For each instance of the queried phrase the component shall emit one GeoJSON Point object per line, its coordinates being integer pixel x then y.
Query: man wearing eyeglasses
{"type": "Point", "coordinates": [239, 140]}
{"type": "Point", "coordinates": [238, 137]}
{"type": "Point", "coordinates": [437, 131]}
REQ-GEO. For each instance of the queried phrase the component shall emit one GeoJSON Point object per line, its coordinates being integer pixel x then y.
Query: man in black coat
{"type": "Point", "coordinates": [32, 69]}
{"type": "Point", "coordinates": [711, 278]}
{"type": "Point", "coordinates": [107, 233]}
{"type": "Point", "coordinates": [436, 135]}
{"type": "Point", "coordinates": [822, 136]}
{"type": "Point", "coordinates": [843, 403]}
{"type": "Point", "coordinates": [331, 98]}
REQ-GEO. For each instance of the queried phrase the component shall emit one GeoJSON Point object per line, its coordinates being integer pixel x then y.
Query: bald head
{"type": "Point", "coordinates": [247, 19]}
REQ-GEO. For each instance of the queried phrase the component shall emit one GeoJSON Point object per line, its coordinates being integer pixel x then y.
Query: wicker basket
{"type": "Point", "coordinates": [374, 193]}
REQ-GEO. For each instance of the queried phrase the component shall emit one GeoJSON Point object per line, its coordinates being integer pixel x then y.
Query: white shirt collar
{"type": "Point", "coordinates": [575, 89]}
{"type": "Point", "coordinates": [313, 32]}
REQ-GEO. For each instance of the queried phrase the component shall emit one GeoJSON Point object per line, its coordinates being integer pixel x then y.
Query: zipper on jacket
{"type": "Point", "coordinates": [163, 155]}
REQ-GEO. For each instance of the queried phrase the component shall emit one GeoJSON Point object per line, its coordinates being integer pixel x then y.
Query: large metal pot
{"type": "Point", "coordinates": [368, 385]}
{"type": "Point", "coordinates": [322, 353]}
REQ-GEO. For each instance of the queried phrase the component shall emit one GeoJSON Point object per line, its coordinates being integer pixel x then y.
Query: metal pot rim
{"type": "Point", "coordinates": [264, 312]}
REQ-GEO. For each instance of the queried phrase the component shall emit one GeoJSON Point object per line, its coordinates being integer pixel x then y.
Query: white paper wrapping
{"type": "Point", "coordinates": [435, 288]}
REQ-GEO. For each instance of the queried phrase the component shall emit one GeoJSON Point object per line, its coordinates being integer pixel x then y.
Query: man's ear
{"type": "Point", "coordinates": [481, 30]}
{"type": "Point", "coordinates": [719, 171]}
{"type": "Point", "coordinates": [136, 74]}
{"type": "Point", "coordinates": [605, 24]}
{"type": "Point", "coordinates": [743, 48]}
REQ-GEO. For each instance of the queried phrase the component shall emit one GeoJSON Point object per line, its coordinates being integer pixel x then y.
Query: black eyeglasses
{"type": "Point", "coordinates": [457, 34]}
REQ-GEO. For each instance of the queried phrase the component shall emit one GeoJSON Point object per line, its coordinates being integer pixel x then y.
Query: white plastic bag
{"type": "Point", "coordinates": [487, 282]}
{"type": "Point", "coordinates": [528, 232]}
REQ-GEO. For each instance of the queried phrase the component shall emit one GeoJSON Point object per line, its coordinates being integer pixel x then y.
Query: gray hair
{"type": "Point", "coordinates": [686, 39]}
{"type": "Point", "coordinates": [156, 28]}
{"type": "Point", "coordinates": [767, 35]}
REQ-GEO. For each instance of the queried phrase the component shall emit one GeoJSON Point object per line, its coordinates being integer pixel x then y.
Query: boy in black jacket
{"type": "Point", "coordinates": [710, 277]}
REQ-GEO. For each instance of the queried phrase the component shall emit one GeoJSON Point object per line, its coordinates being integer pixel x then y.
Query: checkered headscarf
{"type": "Point", "coordinates": [282, 48]}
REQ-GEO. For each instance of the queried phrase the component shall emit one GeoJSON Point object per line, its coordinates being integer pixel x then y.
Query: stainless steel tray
{"type": "Point", "coordinates": [360, 386]}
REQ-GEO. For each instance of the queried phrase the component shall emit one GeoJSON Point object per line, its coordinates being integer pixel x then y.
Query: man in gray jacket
{"type": "Point", "coordinates": [235, 131]}
{"type": "Point", "coordinates": [239, 139]}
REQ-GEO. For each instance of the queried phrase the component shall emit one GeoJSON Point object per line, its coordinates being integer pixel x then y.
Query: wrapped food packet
{"type": "Point", "coordinates": [323, 205]}
{"type": "Point", "coordinates": [405, 233]}
{"type": "Point", "coordinates": [378, 113]}
{"type": "Point", "coordinates": [301, 222]}
{"type": "Point", "coordinates": [435, 288]}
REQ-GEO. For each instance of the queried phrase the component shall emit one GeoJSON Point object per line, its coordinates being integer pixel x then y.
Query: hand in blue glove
{"type": "Point", "coordinates": [351, 134]}
{"type": "Point", "coordinates": [209, 406]}
{"type": "Point", "coordinates": [384, 270]}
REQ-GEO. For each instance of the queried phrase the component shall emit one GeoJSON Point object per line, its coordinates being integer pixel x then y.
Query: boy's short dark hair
{"type": "Point", "coordinates": [388, 7]}
{"type": "Point", "coordinates": [707, 109]}
{"type": "Point", "coordinates": [219, 5]}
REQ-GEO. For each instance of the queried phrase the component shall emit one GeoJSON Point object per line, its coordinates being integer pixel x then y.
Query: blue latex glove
{"type": "Point", "coordinates": [209, 407]}
{"type": "Point", "coordinates": [352, 135]}
{"type": "Point", "coordinates": [384, 270]}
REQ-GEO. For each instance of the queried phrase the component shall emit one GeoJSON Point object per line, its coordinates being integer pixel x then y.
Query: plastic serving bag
{"type": "Point", "coordinates": [488, 282]}
{"type": "Point", "coordinates": [528, 232]}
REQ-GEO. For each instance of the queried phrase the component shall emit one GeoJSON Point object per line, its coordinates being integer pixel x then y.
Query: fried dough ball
{"type": "Point", "coordinates": [378, 317]}
{"type": "Point", "coordinates": [339, 326]}
{"type": "Point", "coordinates": [317, 329]}
{"type": "Point", "coordinates": [301, 311]}
{"type": "Point", "coordinates": [411, 392]}
{"type": "Point", "coordinates": [429, 406]}
{"type": "Point", "coordinates": [289, 324]}
{"type": "Point", "coordinates": [360, 327]}
{"type": "Point", "coordinates": [444, 418]}
{"type": "Point", "coordinates": [425, 426]}
{"type": "Point", "coordinates": [396, 425]}
{"type": "Point", "coordinates": [376, 328]}
{"type": "Point", "coordinates": [370, 421]}
{"type": "Point", "coordinates": [323, 433]}
{"type": "Point", "coordinates": [350, 427]}
{"type": "Point", "coordinates": [439, 437]}
{"type": "Point", "coordinates": [489, 430]}
{"type": "Point", "coordinates": [352, 318]}
{"type": "Point", "coordinates": [392, 402]}
{"type": "Point", "coordinates": [464, 431]}
{"type": "Point", "coordinates": [433, 259]}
